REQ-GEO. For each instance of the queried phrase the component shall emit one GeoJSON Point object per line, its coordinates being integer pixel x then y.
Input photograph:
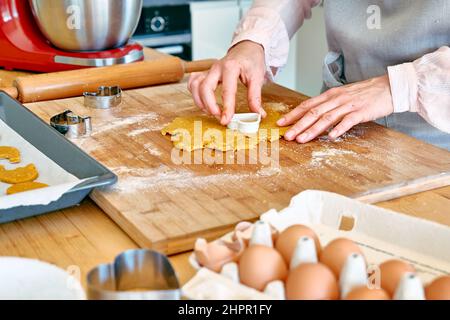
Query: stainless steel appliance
{"type": "Point", "coordinates": [166, 26]}
{"type": "Point", "coordinates": [90, 25]}
{"type": "Point", "coordinates": [49, 35]}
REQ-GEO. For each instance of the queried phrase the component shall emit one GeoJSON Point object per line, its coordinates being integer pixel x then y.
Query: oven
{"type": "Point", "coordinates": [166, 26]}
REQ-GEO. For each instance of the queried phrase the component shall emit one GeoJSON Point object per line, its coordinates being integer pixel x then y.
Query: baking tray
{"type": "Point", "coordinates": [56, 147]}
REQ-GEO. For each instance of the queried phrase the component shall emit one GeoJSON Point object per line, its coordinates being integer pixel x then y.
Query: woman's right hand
{"type": "Point", "coordinates": [245, 61]}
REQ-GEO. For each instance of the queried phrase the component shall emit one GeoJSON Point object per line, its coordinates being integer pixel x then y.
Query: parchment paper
{"type": "Point", "coordinates": [59, 180]}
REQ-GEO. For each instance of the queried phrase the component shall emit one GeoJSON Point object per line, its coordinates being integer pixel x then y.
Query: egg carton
{"type": "Point", "coordinates": [381, 234]}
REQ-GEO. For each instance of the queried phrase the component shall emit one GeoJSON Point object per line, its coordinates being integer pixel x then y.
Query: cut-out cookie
{"type": "Point", "coordinates": [10, 153]}
{"type": "Point", "coordinates": [25, 186]}
{"type": "Point", "coordinates": [19, 175]}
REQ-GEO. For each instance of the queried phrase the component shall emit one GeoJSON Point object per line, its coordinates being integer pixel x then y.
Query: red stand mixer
{"type": "Point", "coordinates": [24, 46]}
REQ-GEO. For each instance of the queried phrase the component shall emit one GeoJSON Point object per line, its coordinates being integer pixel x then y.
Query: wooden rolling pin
{"type": "Point", "coordinates": [65, 84]}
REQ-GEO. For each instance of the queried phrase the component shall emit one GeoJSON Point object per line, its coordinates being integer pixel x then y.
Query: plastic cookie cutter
{"type": "Point", "coordinates": [246, 123]}
{"type": "Point", "coordinates": [104, 98]}
{"type": "Point", "coordinates": [71, 125]}
{"type": "Point", "coordinates": [134, 275]}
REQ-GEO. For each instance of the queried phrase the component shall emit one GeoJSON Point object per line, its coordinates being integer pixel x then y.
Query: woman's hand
{"type": "Point", "coordinates": [341, 108]}
{"type": "Point", "coordinates": [245, 61]}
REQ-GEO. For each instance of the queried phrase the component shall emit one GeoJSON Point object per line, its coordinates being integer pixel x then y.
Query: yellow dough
{"type": "Point", "coordinates": [19, 175]}
{"type": "Point", "coordinates": [10, 153]}
{"type": "Point", "coordinates": [25, 186]}
{"type": "Point", "coordinates": [198, 132]}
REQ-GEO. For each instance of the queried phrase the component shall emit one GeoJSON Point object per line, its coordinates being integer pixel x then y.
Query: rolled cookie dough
{"type": "Point", "coordinates": [25, 186]}
{"type": "Point", "coordinates": [10, 153]}
{"type": "Point", "coordinates": [199, 132]}
{"type": "Point", "coordinates": [19, 175]}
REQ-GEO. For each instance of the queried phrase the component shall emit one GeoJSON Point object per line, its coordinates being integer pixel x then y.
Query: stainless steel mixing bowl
{"type": "Point", "coordinates": [87, 25]}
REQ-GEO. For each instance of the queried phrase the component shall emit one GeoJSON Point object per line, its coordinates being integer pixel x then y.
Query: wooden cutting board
{"type": "Point", "coordinates": [166, 206]}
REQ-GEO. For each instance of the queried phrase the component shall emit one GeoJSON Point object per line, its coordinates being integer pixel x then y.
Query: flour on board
{"type": "Point", "coordinates": [152, 149]}
{"type": "Point", "coordinates": [116, 123]}
{"type": "Point", "coordinates": [132, 179]}
{"type": "Point", "coordinates": [138, 132]}
{"type": "Point", "coordinates": [326, 155]}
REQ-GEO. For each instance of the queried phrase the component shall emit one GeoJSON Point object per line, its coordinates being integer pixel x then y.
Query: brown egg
{"type": "Point", "coordinates": [260, 265]}
{"type": "Point", "coordinates": [391, 273]}
{"type": "Point", "coordinates": [311, 281]}
{"type": "Point", "coordinates": [439, 289]}
{"type": "Point", "coordinates": [336, 252]}
{"type": "Point", "coordinates": [365, 293]}
{"type": "Point", "coordinates": [287, 240]}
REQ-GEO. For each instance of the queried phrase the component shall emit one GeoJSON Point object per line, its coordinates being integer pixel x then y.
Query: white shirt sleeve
{"type": "Point", "coordinates": [272, 23]}
{"type": "Point", "coordinates": [423, 86]}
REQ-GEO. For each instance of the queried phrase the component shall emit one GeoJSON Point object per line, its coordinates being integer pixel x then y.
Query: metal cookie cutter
{"type": "Point", "coordinates": [134, 275]}
{"type": "Point", "coordinates": [71, 125]}
{"type": "Point", "coordinates": [246, 123]}
{"type": "Point", "coordinates": [104, 98]}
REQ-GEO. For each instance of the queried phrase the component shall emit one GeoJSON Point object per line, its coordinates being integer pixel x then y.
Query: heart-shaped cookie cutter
{"type": "Point", "coordinates": [134, 275]}
{"type": "Point", "coordinates": [104, 98]}
{"type": "Point", "coordinates": [246, 123]}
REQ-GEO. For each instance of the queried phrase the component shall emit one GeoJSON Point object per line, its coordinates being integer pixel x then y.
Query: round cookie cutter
{"type": "Point", "coordinates": [104, 98]}
{"type": "Point", "coordinates": [246, 123]}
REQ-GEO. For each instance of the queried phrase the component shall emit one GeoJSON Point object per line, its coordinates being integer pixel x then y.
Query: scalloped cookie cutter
{"type": "Point", "coordinates": [104, 98]}
{"type": "Point", "coordinates": [246, 123]}
{"type": "Point", "coordinates": [71, 125]}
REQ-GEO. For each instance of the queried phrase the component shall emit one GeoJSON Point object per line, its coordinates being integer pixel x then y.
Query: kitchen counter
{"type": "Point", "coordinates": [84, 236]}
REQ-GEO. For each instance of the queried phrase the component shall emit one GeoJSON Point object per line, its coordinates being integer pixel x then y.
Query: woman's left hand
{"type": "Point", "coordinates": [341, 108]}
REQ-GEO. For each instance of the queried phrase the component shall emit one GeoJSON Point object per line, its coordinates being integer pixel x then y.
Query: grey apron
{"type": "Point", "coordinates": [360, 49]}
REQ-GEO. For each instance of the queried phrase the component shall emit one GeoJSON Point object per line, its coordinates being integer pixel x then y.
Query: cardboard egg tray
{"type": "Point", "coordinates": [381, 234]}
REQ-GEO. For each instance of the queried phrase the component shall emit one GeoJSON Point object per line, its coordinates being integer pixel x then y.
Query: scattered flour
{"type": "Point", "coordinates": [121, 122]}
{"type": "Point", "coordinates": [138, 132]}
{"type": "Point", "coordinates": [133, 179]}
{"type": "Point", "coordinates": [152, 149]}
{"type": "Point", "coordinates": [342, 138]}
{"type": "Point", "coordinates": [147, 121]}
{"type": "Point", "coordinates": [327, 155]}
{"type": "Point", "coordinates": [277, 106]}
{"type": "Point", "coordinates": [269, 171]}
{"type": "Point", "coordinates": [86, 144]}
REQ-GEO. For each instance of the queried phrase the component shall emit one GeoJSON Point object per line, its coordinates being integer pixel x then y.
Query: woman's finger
{"type": "Point", "coordinates": [254, 96]}
{"type": "Point", "coordinates": [349, 121]}
{"type": "Point", "coordinates": [292, 116]}
{"type": "Point", "coordinates": [302, 109]}
{"type": "Point", "coordinates": [207, 92]}
{"type": "Point", "coordinates": [312, 116]}
{"type": "Point", "coordinates": [194, 87]}
{"type": "Point", "coordinates": [230, 80]}
{"type": "Point", "coordinates": [192, 78]}
{"type": "Point", "coordinates": [325, 122]}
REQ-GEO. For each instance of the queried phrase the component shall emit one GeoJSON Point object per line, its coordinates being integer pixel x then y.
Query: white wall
{"type": "Point", "coordinates": [213, 23]}
{"type": "Point", "coordinates": [311, 50]}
